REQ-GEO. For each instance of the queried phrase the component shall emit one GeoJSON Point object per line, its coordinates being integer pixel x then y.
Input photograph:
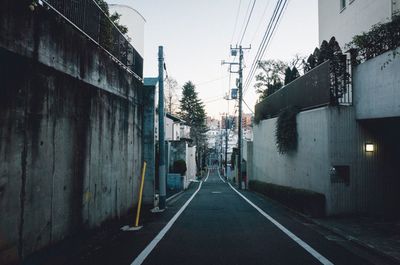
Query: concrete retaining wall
{"type": "Point", "coordinates": [377, 89]}
{"type": "Point", "coordinates": [331, 137]}
{"type": "Point", "coordinates": [70, 132]}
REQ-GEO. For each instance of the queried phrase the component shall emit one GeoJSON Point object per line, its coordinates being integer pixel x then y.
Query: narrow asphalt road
{"type": "Point", "coordinates": [219, 226]}
{"type": "Point", "coordinates": [211, 223]}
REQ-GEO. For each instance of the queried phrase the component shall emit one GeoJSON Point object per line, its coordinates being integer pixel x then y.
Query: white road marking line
{"type": "Point", "coordinates": [221, 177]}
{"type": "Point", "coordinates": [303, 244]}
{"type": "Point", "coordinates": [208, 174]}
{"type": "Point", "coordinates": [143, 255]}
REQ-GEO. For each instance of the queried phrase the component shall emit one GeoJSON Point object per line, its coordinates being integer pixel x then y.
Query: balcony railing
{"type": "Point", "coordinates": [318, 87]}
{"type": "Point", "coordinates": [89, 18]}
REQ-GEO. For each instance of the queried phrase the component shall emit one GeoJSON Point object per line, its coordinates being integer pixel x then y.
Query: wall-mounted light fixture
{"type": "Point", "coordinates": [369, 147]}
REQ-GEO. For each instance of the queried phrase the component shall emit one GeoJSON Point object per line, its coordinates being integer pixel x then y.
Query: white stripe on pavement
{"type": "Point", "coordinates": [143, 255]}
{"type": "Point", "coordinates": [303, 244]}
{"type": "Point", "coordinates": [220, 177]}
{"type": "Point", "coordinates": [208, 174]}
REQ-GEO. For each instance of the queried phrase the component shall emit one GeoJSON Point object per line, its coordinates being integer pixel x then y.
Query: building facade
{"type": "Point", "coordinates": [345, 18]}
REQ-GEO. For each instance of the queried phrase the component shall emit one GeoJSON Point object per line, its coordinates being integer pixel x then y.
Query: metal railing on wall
{"type": "Point", "coordinates": [321, 86]}
{"type": "Point", "coordinates": [89, 18]}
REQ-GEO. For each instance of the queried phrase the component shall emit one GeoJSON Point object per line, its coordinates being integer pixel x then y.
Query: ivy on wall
{"type": "Point", "coordinates": [286, 130]}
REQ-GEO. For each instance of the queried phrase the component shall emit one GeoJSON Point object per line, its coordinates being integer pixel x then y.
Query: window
{"type": "Point", "coordinates": [342, 4]}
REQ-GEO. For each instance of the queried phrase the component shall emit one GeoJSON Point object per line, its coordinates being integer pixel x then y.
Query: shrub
{"type": "Point", "coordinates": [305, 201]}
{"type": "Point", "coordinates": [381, 38]}
{"type": "Point", "coordinates": [179, 167]}
{"type": "Point", "coordinates": [286, 130]}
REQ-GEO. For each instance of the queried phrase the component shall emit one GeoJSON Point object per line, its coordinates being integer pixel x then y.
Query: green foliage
{"type": "Point", "coordinates": [291, 74]}
{"type": "Point", "coordinates": [381, 38]}
{"type": "Point", "coordinates": [339, 76]}
{"type": "Point", "coordinates": [106, 36]}
{"type": "Point", "coordinates": [192, 111]}
{"type": "Point", "coordinates": [286, 130]}
{"type": "Point", "coordinates": [273, 75]}
{"type": "Point", "coordinates": [179, 167]}
{"type": "Point", "coordinates": [305, 201]}
{"type": "Point", "coordinates": [115, 19]}
{"type": "Point", "coordinates": [270, 79]}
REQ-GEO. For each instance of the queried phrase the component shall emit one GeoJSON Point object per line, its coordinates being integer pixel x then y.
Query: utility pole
{"type": "Point", "coordinates": [226, 144]}
{"type": "Point", "coordinates": [240, 117]}
{"type": "Point", "coordinates": [234, 51]}
{"type": "Point", "coordinates": [161, 132]}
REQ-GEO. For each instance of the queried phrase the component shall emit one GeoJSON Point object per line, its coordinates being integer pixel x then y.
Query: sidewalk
{"type": "Point", "coordinates": [382, 237]}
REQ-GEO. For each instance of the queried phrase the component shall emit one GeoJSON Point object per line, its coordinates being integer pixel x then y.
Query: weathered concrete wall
{"type": "Point", "coordinates": [377, 89]}
{"type": "Point", "coordinates": [149, 147]}
{"type": "Point", "coordinates": [248, 157]}
{"type": "Point", "coordinates": [331, 137]}
{"type": "Point", "coordinates": [308, 168]}
{"type": "Point", "coordinates": [70, 132]}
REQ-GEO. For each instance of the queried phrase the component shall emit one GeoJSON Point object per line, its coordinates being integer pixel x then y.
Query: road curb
{"type": "Point", "coordinates": [335, 231]}
{"type": "Point", "coordinates": [356, 241]}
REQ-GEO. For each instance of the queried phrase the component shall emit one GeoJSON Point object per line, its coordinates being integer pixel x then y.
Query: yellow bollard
{"type": "Point", "coordinates": [140, 195]}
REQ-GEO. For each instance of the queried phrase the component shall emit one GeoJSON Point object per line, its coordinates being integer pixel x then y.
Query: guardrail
{"type": "Point", "coordinates": [89, 18]}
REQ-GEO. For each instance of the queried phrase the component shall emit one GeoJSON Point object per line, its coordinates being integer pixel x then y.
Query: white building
{"type": "Point", "coordinates": [135, 22]}
{"type": "Point", "coordinates": [345, 18]}
{"type": "Point", "coordinates": [172, 128]}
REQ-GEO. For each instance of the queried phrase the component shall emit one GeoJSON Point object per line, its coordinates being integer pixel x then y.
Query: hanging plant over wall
{"type": "Point", "coordinates": [286, 130]}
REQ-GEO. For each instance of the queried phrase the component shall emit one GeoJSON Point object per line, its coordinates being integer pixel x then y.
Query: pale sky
{"type": "Point", "coordinates": [196, 36]}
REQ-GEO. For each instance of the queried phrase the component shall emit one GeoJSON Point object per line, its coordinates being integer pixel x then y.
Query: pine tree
{"type": "Point", "coordinates": [192, 111]}
{"type": "Point", "coordinates": [288, 76]}
{"type": "Point", "coordinates": [323, 52]}
{"type": "Point", "coordinates": [295, 73]}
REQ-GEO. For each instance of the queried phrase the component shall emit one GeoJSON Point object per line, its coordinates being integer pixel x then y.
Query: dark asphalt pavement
{"type": "Point", "coordinates": [217, 227]}
{"type": "Point", "coordinates": [220, 227]}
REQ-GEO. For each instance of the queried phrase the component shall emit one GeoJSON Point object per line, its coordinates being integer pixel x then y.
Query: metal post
{"type": "Point", "coordinates": [240, 117]}
{"type": "Point", "coordinates": [161, 131]}
{"type": "Point", "coordinates": [226, 144]}
{"type": "Point", "coordinates": [140, 195]}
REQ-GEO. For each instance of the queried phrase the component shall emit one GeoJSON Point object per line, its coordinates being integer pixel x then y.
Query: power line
{"type": "Point", "coordinates": [260, 22]}
{"type": "Point", "coordinates": [247, 23]}
{"type": "Point", "coordinates": [272, 25]}
{"type": "Point", "coordinates": [263, 41]}
{"type": "Point", "coordinates": [248, 106]}
{"type": "Point", "coordinates": [212, 80]}
{"type": "Point", "coordinates": [236, 20]}
{"type": "Point", "coordinates": [245, 15]}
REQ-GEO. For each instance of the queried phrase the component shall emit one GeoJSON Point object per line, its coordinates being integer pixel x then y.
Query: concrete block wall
{"type": "Point", "coordinates": [308, 168]}
{"type": "Point", "coordinates": [328, 137]}
{"type": "Point", "coordinates": [70, 132]}
{"type": "Point", "coordinates": [376, 89]}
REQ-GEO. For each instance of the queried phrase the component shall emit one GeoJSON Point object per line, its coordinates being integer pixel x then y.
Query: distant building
{"type": "Point", "coordinates": [212, 124]}
{"type": "Point", "coordinates": [247, 120]}
{"type": "Point", "coordinates": [229, 122]}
